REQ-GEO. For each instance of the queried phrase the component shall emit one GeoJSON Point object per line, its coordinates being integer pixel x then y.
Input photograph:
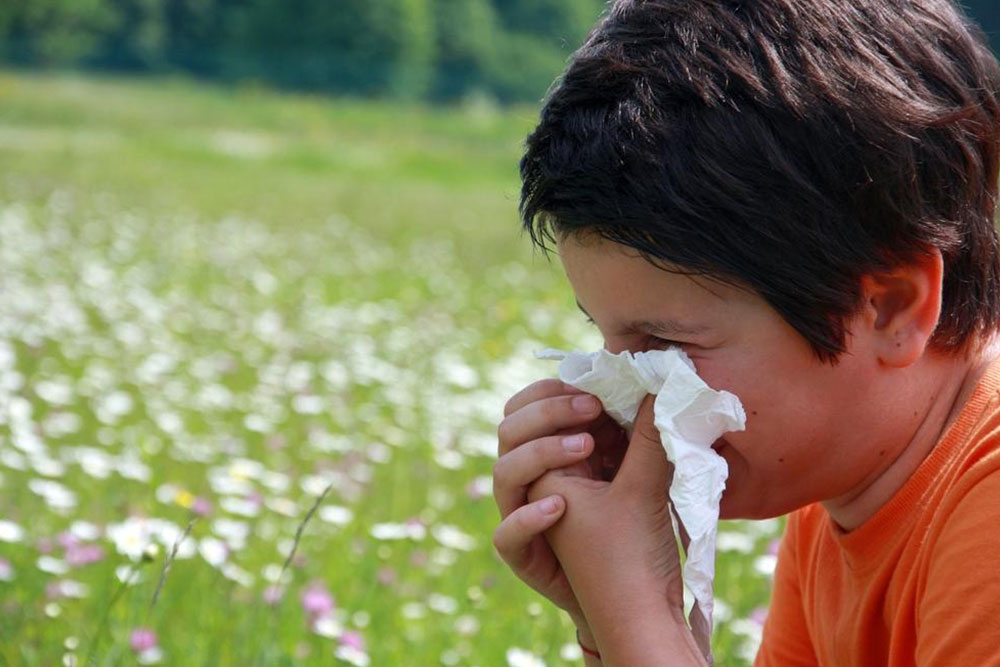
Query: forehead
{"type": "Point", "coordinates": [598, 268]}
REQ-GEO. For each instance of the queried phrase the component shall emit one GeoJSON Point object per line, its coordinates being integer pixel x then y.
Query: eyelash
{"type": "Point", "coordinates": [654, 341]}
{"type": "Point", "coordinates": [664, 342]}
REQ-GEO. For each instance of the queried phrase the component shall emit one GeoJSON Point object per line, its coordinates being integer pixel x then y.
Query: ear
{"type": "Point", "coordinates": [902, 308]}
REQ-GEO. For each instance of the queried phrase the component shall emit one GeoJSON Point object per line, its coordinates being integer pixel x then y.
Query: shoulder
{"type": "Point", "coordinates": [971, 504]}
{"type": "Point", "coordinates": [957, 596]}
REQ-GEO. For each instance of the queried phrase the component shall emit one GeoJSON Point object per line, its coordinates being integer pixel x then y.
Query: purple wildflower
{"type": "Point", "coordinates": [353, 640]}
{"type": "Point", "coordinates": [83, 554]}
{"type": "Point", "coordinates": [759, 615]}
{"type": "Point", "coordinates": [201, 506]}
{"type": "Point", "coordinates": [317, 601]}
{"type": "Point", "coordinates": [772, 547]}
{"type": "Point", "coordinates": [67, 539]}
{"type": "Point", "coordinates": [385, 576]}
{"type": "Point", "coordinates": [272, 594]}
{"type": "Point", "coordinates": [53, 591]}
{"type": "Point", "coordinates": [142, 639]}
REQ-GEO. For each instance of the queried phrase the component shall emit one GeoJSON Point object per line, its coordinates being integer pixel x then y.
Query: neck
{"type": "Point", "coordinates": [954, 386]}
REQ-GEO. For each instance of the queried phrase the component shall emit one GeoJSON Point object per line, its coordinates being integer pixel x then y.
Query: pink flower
{"type": "Point", "coordinates": [759, 615]}
{"type": "Point", "coordinates": [67, 540]}
{"type": "Point", "coordinates": [419, 558]}
{"type": "Point", "coordinates": [353, 640]}
{"type": "Point", "coordinates": [83, 554]}
{"type": "Point", "coordinates": [385, 576]}
{"type": "Point", "coordinates": [772, 548]}
{"type": "Point", "coordinates": [53, 590]}
{"type": "Point", "coordinates": [142, 639]}
{"type": "Point", "coordinates": [201, 506]}
{"type": "Point", "coordinates": [272, 594]}
{"type": "Point", "coordinates": [317, 601]}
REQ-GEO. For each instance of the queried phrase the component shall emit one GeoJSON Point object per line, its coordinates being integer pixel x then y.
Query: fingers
{"type": "Point", "coordinates": [544, 417]}
{"type": "Point", "coordinates": [519, 468]}
{"type": "Point", "coordinates": [536, 391]}
{"type": "Point", "coordinates": [645, 466]}
{"type": "Point", "coordinates": [514, 536]}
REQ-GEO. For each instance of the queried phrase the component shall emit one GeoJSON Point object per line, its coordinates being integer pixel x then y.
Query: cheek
{"type": "Point", "coordinates": [725, 377]}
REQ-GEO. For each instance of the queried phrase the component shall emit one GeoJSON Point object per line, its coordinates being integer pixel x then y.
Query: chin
{"type": "Point", "coordinates": [736, 505]}
{"type": "Point", "coordinates": [727, 512]}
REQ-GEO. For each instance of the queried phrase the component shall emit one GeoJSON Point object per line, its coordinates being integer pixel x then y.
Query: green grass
{"type": "Point", "coordinates": [325, 290]}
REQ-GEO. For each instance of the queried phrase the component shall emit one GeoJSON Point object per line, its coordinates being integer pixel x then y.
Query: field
{"type": "Point", "coordinates": [219, 305]}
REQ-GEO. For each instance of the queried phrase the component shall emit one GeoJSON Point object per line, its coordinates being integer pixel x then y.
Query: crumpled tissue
{"type": "Point", "coordinates": [690, 417]}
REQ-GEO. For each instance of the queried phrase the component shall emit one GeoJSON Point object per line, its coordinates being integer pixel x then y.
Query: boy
{"type": "Point", "coordinates": [800, 195]}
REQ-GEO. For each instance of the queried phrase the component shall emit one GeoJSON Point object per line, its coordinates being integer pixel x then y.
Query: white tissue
{"type": "Point", "coordinates": [690, 417]}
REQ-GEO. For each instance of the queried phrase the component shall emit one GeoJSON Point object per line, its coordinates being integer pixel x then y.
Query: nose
{"type": "Point", "coordinates": [613, 348]}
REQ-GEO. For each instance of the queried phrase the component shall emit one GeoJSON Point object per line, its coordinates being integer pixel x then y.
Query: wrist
{"type": "Point", "coordinates": [588, 646]}
{"type": "Point", "coordinates": [582, 627]}
{"type": "Point", "coordinates": [653, 631]}
{"type": "Point", "coordinates": [585, 638]}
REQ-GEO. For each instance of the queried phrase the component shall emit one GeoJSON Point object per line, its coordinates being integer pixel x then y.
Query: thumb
{"type": "Point", "coordinates": [645, 466]}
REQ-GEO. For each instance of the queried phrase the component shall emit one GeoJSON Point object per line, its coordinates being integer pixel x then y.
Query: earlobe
{"type": "Point", "coordinates": [904, 306]}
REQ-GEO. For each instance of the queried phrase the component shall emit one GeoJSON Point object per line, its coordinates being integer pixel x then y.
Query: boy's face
{"type": "Point", "coordinates": [806, 436]}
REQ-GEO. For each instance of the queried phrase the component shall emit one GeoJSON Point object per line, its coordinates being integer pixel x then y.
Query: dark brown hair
{"type": "Point", "coordinates": [788, 146]}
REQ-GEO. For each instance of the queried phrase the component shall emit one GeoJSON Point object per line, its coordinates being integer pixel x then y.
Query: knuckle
{"type": "Point", "coordinates": [498, 541]}
{"type": "Point", "coordinates": [511, 404]}
{"type": "Point", "coordinates": [503, 433]}
{"type": "Point", "coordinates": [501, 547]}
{"type": "Point", "coordinates": [515, 402]}
{"type": "Point", "coordinates": [544, 385]}
{"type": "Point", "coordinates": [499, 469]}
{"type": "Point", "coordinates": [550, 409]}
{"type": "Point", "coordinates": [544, 486]}
{"type": "Point", "coordinates": [649, 433]}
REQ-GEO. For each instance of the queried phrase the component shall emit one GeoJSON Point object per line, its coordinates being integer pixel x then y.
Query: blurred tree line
{"type": "Point", "coordinates": [424, 49]}
{"type": "Point", "coordinates": [411, 49]}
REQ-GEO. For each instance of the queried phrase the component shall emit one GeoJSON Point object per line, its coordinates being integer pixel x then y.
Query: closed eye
{"type": "Point", "coordinates": [655, 342]}
{"type": "Point", "coordinates": [652, 342]}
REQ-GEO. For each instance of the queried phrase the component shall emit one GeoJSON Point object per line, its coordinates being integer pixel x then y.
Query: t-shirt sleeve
{"type": "Point", "coordinates": [960, 604]}
{"type": "Point", "coordinates": [785, 641]}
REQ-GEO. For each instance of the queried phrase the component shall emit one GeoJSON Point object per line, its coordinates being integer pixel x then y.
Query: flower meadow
{"type": "Point", "coordinates": [253, 351]}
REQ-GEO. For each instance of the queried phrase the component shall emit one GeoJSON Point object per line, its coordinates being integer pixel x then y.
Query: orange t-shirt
{"type": "Point", "coordinates": [916, 584]}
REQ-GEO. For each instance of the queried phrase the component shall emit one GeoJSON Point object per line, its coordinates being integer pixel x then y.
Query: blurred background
{"type": "Point", "coordinates": [433, 50]}
{"type": "Point", "coordinates": [264, 295]}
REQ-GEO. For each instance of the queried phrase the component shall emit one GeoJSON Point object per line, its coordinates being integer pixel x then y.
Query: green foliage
{"type": "Point", "coordinates": [138, 39]}
{"type": "Point", "coordinates": [553, 20]}
{"type": "Point", "coordinates": [54, 32]}
{"type": "Point", "coordinates": [510, 50]}
{"type": "Point", "coordinates": [527, 66]}
{"type": "Point", "coordinates": [373, 48]}
{"type": "Point", "coordinates": [467, 32]}
{"type": "Point", "coordinates": [402, 49]}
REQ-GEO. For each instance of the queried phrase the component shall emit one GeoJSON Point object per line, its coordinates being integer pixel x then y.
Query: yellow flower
{"type": "Point", "coordinates": [185, 499]}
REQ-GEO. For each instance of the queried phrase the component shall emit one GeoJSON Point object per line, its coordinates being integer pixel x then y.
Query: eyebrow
{"type": "Point", "coordinates": [666, 327]}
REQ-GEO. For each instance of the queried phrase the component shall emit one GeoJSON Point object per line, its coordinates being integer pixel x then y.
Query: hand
{"type": "Point", "coordinates": [616, 544]}
{"type": "Point", "coordinates": [536, 422]}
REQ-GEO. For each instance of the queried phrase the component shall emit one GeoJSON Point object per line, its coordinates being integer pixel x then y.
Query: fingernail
{"type": "Point", "coordinates": [550, 505]}
{"type": "Point", "coordinates": [573, 443]}
{"type": "Point", "coordinates": [584, 404]}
